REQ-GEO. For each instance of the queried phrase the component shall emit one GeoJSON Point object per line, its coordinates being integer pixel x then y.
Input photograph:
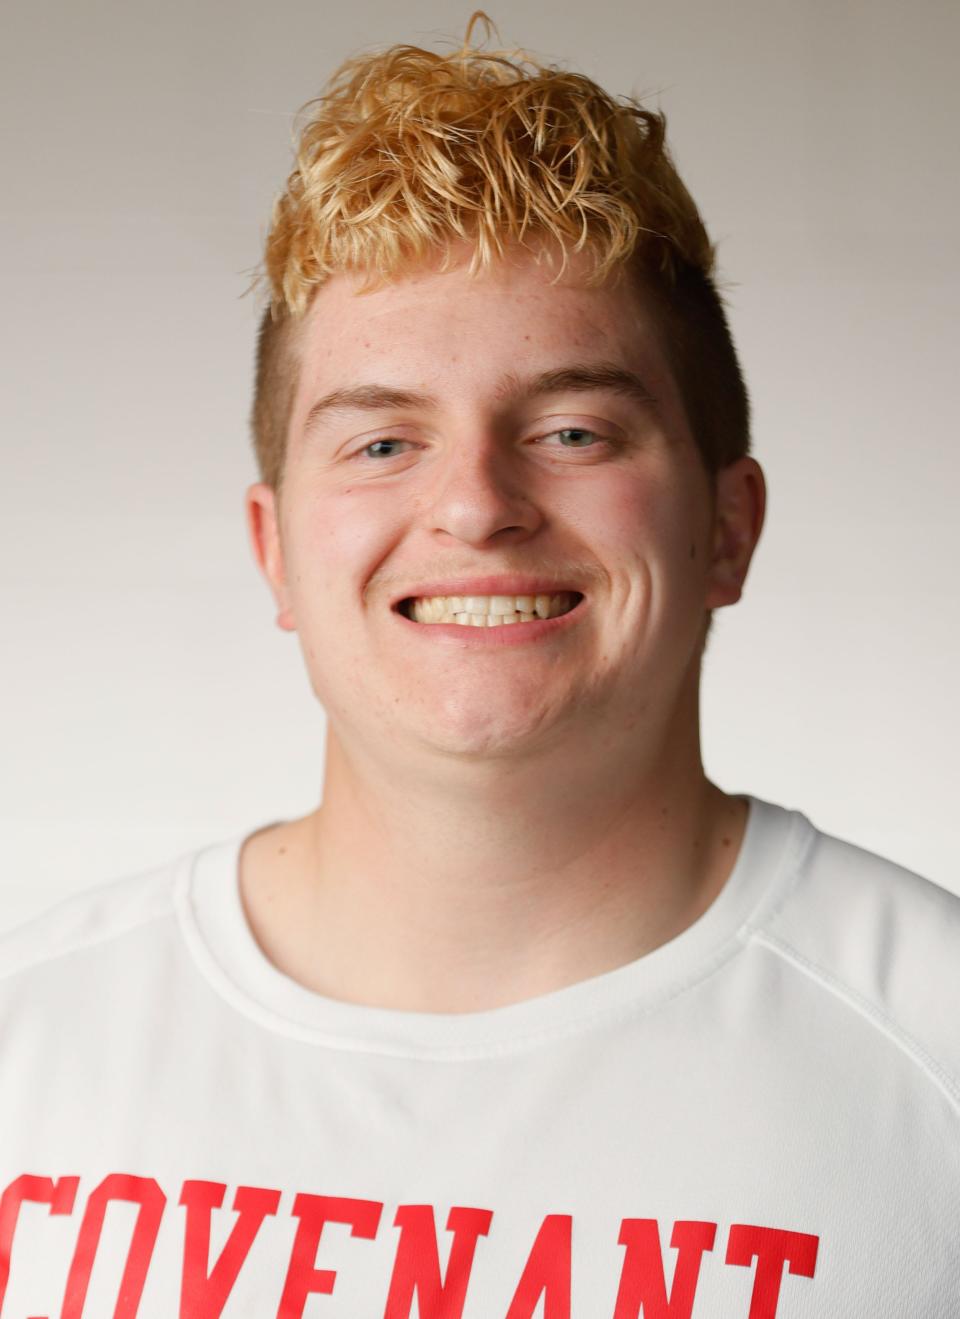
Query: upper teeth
{"type": "Point", "coordinates": [489, 610]}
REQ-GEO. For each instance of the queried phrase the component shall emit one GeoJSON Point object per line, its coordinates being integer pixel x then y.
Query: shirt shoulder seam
{"type": "Point", "coordinates": [48, 957]}
{"type": "Point", "coordinates": [935, 1073]}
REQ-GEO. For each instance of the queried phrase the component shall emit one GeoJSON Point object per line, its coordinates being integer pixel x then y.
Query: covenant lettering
{"type": "Point", "coordinates": [526, 1018]}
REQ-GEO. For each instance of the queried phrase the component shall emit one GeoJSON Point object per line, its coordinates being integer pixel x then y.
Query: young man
{"type": "Point", "coordinates": [528, 1019]}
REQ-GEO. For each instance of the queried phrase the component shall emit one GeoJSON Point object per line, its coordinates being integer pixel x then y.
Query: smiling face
{"type": "Point", "coordinates": [496, 435]}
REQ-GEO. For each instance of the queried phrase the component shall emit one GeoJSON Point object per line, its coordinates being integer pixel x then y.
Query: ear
{"type": "Point", "coordinates": [739, 507]}
{"type": "Point", "coordinates": [264, 526]}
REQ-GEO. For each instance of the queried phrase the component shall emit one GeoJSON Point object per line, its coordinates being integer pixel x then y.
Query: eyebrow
{"type": "Point", "coordinates": [579, 378]}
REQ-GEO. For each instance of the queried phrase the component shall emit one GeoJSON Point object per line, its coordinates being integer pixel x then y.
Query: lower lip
{"type": "Point", "coordinates": [506, 634]}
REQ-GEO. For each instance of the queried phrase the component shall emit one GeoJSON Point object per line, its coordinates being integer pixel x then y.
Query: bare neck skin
{"type": "Point", "coordinates": [499, 821]}
{"type": "Point", "coordinates": [466, 887]}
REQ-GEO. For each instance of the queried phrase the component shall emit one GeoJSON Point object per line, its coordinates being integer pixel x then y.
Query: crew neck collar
{"type": "Point", "coordinates": [215, 927]}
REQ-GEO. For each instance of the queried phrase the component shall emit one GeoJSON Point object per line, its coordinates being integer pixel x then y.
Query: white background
{"type": "Point", "coordinates": [150, 705]}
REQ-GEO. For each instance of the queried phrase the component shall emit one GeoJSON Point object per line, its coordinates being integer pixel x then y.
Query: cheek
{"type": "Point", "coordinates": [656, 540]}
{"type": "Point", "coordinates": [338, 541]}
{"type": "Point", "coordinates": [655, 518]}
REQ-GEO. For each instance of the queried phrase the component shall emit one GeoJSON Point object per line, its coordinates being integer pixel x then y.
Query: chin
{"type": "Point", "coordinates": [485, 729]}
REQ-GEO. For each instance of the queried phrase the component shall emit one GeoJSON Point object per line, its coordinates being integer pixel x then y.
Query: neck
{"type": "Point", "coordinates": [435, 892]}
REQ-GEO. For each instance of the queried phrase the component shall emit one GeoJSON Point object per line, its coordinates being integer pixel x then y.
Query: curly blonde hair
{"type": "Point", "coordinates": [408, 153]}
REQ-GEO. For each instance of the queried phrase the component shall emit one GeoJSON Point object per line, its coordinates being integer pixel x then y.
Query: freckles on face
{"type": "Point", "coordinates": [338, 535]}
{"type": "Point", "coordinates": [646, 520]}
{"type": "Point", "coordinates": [480, 484]}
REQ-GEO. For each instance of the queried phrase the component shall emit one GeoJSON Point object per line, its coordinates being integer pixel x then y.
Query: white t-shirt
{"type": "Point", "coordinates": [759, 1119]}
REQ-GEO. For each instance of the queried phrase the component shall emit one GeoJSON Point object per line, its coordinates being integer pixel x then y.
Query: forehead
{"type": "Point", "coordinates": [460, 335]}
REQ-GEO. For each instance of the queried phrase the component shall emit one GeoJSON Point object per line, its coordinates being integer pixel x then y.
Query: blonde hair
{"type": "Point", "coordinates": [409, 152]}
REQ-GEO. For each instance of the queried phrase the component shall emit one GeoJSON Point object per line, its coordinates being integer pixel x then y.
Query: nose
{"type": "Point", "coordinates": [479, 495]}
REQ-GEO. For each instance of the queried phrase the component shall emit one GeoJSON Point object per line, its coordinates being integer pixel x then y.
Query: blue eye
{"type": "Point", "coordinates": [374, 444]}
{"type": "Point", "coordinates": [578, 435]}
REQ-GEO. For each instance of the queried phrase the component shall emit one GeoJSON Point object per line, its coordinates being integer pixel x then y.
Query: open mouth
{"type": "Point", "coordinates": [488, 610]}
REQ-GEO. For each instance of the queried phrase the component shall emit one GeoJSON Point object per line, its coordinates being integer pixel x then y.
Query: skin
{"type": "Point", "coordinates": [497, 821]}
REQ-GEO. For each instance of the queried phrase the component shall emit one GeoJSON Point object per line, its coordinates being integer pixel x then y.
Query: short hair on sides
{"type": "Point", "coordinates": [409, 153]}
